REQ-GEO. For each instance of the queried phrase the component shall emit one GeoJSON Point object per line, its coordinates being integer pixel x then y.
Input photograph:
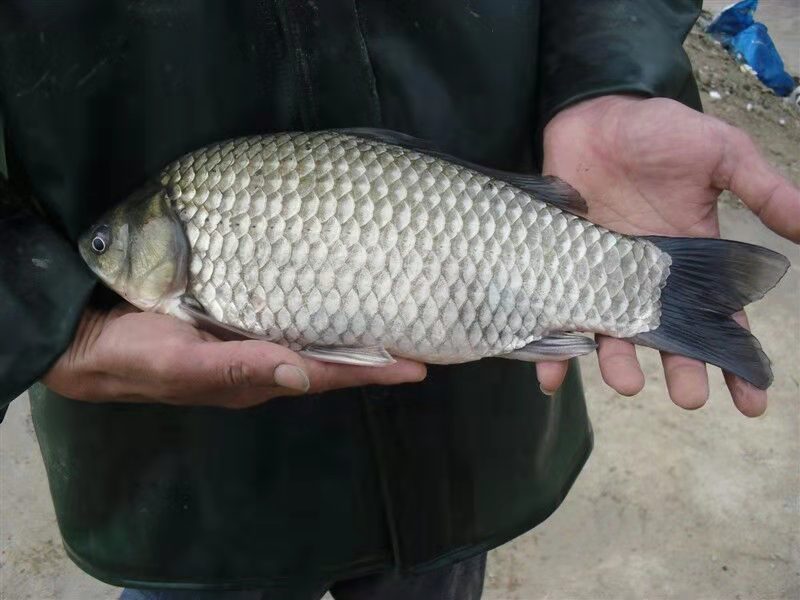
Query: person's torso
{"type": "Point", "coordinates": [97, 97]}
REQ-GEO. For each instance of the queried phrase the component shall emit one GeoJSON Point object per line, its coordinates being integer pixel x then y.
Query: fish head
{"type": "Point", "coordinates": [139, 249]}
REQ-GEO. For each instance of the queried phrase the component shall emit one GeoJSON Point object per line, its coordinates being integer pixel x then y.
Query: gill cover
{"type": "Point", "coordinates": [139, 249]}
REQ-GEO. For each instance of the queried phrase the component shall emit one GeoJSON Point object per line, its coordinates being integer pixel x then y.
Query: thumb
{"type": "Point", "coordinates": [248, 363]}
{"type": "Point", "coordinates": [743, 171]}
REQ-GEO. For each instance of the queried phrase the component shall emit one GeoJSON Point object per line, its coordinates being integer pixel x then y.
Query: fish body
{"type": "Point", "coordinates": [331, 242]}
{"type": "Point", "coordinates": [324, 239]}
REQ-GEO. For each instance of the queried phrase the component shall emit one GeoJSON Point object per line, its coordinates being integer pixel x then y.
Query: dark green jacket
{"type": "Point", "coordinates": [96, 96]}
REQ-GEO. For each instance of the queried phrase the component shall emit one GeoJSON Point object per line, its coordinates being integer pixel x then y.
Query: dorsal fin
{"type": "Point", "coordinates": [549, 189]}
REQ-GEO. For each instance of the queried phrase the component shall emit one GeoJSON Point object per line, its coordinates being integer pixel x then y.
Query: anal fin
{"type": "Point", "coordinates": [370, 356]}
{"type": "Point", "coordinates": [554, 347]}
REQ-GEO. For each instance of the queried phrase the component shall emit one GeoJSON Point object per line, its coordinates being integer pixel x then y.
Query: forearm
{"type": "Point", "coordinates": [43, 289]}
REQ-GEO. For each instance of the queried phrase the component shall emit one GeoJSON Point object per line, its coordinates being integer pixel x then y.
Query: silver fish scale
{"type": "Point", "coordinates": [326, 239]}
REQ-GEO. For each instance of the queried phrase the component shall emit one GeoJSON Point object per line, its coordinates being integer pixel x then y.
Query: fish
{"type": "Point", "coordinates": [357, 246]}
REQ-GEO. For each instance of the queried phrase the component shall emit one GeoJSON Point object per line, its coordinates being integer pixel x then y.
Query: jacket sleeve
{"type": "Point", "coordinates": [603, 47]}
{"type": "Point", "coordinates": [43, 289]}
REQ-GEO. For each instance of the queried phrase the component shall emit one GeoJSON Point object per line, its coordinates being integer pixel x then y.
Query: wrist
{"type": "Point", "coordinates": [591, 111]}
{"type": "Point", "coordinates": [74, 368]}
{"type": "Point", "coordinates": [584, 130]}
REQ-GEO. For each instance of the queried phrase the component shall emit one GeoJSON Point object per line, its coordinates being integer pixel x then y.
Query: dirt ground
{"type": "Point", "coordinates": [745, 102]}
{"type": "Point", "coordinates": [671, 504]}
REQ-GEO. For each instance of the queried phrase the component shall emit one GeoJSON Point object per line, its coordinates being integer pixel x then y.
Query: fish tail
{"type": "Point", "coordinates": [708, 281]}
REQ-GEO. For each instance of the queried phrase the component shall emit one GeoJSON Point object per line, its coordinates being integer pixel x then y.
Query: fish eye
{"type": "Point", "coordinates": [101, 239]}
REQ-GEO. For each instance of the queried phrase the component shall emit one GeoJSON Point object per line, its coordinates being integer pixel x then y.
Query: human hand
{"type": "Point", "coordinates": [654, 166]}
{"type": "Point", "coordinates": [130, 356]}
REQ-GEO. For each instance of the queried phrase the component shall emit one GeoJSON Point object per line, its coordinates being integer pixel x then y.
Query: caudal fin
{"type": "Point", "coordinates": [709, 280]}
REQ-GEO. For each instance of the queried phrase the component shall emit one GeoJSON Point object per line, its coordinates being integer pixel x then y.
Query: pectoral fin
{"type": "Point", "coordinates": [555, 347]}
{"type": "Point", "coordinates": [368, 356]}
{"type": "Point", "coordinates": [202, 320]}
{"type": "Point", "coordinates": [371, 356]}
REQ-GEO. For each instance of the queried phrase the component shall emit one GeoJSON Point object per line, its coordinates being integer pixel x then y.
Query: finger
{"type": "Point", "coordinates": [551, 375]}
{"type": "Point", "coordinates": [123, 308]}
{"type": "Point", "coordinates": [240, 364]}
{"type": "Point", "coordinates": [687, 380]}
{"type": "Point", "coordinates": [745, 172]}
{"type": "Point", "coordinates": [329, 376]}
{"type": "Point", "coordinates": [619, 366]}
{"type": "Point", "coordinates": [321, 376]}
{"type": "Point", "coordinates": [254, 364]}
{"type": "Point", "coordinates": [751, 401]}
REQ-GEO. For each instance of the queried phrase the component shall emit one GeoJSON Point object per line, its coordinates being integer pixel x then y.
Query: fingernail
{"type": "Point", "coordinates": [291, 377]}
{"type": "Point", "coordinates": [546, 392]}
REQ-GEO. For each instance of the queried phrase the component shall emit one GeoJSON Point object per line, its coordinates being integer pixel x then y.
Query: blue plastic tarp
{"type": "Point", "coordinates": [750, 42]}
{"type": "Point", "coordinates": [732, 20]}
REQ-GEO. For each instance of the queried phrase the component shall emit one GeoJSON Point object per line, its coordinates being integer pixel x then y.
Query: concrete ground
{"type": "Point", "coordinates": [672, 504]}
